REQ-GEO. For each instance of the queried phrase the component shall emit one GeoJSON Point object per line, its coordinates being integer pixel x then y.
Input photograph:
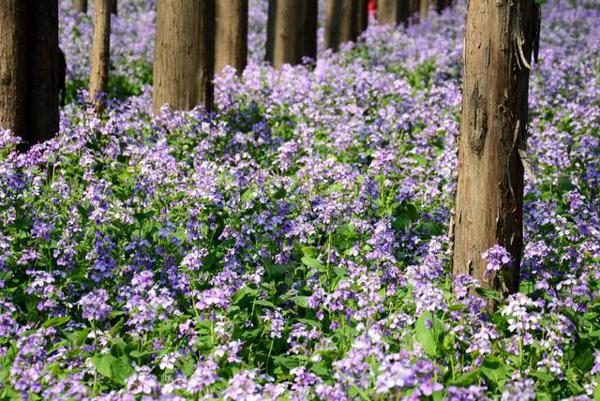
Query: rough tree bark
{"type": "Point", "coordinates": [29, 60]}
{"type": "Point", "coordinates": [500, 37]}
{"type": "Point", "coordinates": [345, 20]}
{"type": "Point", "coordinates": [12, 66]}
{"type": "Point", "coordinates": [291, 31]}
{"type": "Point", "coordinates": [231, 34]}
{"type": "Point", "coordinates": [393, 12]}
{"type": "Point", "coordinates": [184, 57]}
{"type": "Point", "coordinates": [100, 55]}
{"type": "Point", "coordinates": [81, 6]}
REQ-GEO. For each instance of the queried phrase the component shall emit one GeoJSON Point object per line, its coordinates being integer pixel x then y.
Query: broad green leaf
{"type": "Point", "coordinates": [425, 333]}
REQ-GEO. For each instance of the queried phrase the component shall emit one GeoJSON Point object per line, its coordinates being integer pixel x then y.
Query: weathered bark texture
{"type": "Point", "coordinates": [291, 31]}
{"type": "Point", "coordinates": [12, 66]}
{"type": "Point", "coordinates": [500, 37]}
{"type": "Point", "coordinates": [345, 20]}
{"type": "Point", "coordinates": [231, 36]}
{"type": "Point", "coordinates": [184, 57]}
{"type": "Point", "coordinates": [81, 6]}
{"type": "Point", "coordinates": [29, 58]}
{"type": "Point", "coordinates": [100, 54]}
{"type": "Point", "coordinates": [393, 12]}
{"type": "Point", "coordinates": [424, 10]}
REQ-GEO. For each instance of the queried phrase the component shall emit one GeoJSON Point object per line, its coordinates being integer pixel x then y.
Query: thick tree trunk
{"type": "Point", "coordinates": [291, 31]}
{"type": "Point", "coordinates": [345, 20]}
{"type": "Point", "coordinates": [100, 55]}
{"type": "Point", "coordinates": [42, 62]}
{"type": "Point", "coordinates": [231, 36]}
{"type": "Point", "coordinates": [12, 66]}
{"type": "Point", "coordinates": [29, 61]}
{"type": "Point", "coordinates": [424, 10]}
{"type": "Point", "coordinates": [393, 12]}
{"type": "Point", "coordinates": [81, 6]}
{"type": "Point", "coordinates": [499, 39]}
{"type": "Point", "coordinates": [184, 58]}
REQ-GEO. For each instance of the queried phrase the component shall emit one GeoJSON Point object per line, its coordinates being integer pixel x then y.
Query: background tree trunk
{"type": "Point", "coordinates": [114, 9]}
{"type": "Point", "coordinates": [414, 8]}
{"type": "Point", "coordinates": [12, 66]}
{"type": "Point", "coordinates": [393, 12]}
{"type": "Point", "coordinates": [231, 36]}
{"type": "Point", "coordinates": [100, 54]}
{"type": "Point", "coordinates": [424, 10]}
{"type": "Point", "coordinates": [184, 58]}
{"type": "Point", "coordinates": [441, 4]}
{"type": "Point", "coordinates": [499, 39]}
{"type": "Point", "coordinates": [291, 31]}
{"type": "Point", "coordinates": [345, 20]}
{"type": "Point", "coordinates": [81, 6]}
{"type": "Point", "coordinates": [42, 62]}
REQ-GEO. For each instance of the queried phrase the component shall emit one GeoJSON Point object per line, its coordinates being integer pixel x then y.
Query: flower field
{"type": "Point", "coordinates": [294, 245]}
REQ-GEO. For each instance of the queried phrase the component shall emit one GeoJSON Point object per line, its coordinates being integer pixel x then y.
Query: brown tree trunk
{"type": "Point", "coordinates": [414, 8]}
{"type": "Point", "coordinates": [424, 10]}
{"type": "Point", "coordinates": [184, 58]}
{"type": "Point", "coordinates": [345, 20]}
{"type": "Point", "coordinates": [29, 58]}
{"type": "Point", "coordinates": [100, 55]}
{"type": "Point", "coordinates": [81, 6]}
{"type": "Point", "coordinates": [393, 12]}
{"type": "Point", "coordinates": [231, 34]}
{"type": "Point", "coordinates": [12, 66]}
{"type": "Point", "coordinates": [291, 31]}
{"type": "Point", "coordinates": [500, 37]}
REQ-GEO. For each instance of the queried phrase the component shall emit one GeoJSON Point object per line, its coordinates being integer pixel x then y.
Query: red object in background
{"type": "Point", "coordinates": [372, 6]}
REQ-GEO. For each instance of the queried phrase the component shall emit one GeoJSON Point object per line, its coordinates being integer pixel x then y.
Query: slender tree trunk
{"type": "Point", "coordinates": [81, 6]}
{"type": "Point", "coordinates": [12, 66]}
{"type": "Point", "coordinates": [414, 8]}
{"type": "Point", "coordinates": [184, 57]}
{"type": "Point", "coordinates": [393, 12]}
{"type": "Point", "coordinates": [500, 37]}
{"type": "Point", "coordinates": [231, 36]}
{"type": "Point", "coordinates": [441, 4]}
{"type": "Point", "coordinates": [345, 20]}
{"type": "Point", "coordinates": [291, 31]}
{"type": "Point", "coordinates": [114, 9]}
{"type": "Point", "coordinates": [424, 10]}
{"type": "Point", "coordinates": [100, 55]}
{"type": "Point", "coordinates": [29, 61]}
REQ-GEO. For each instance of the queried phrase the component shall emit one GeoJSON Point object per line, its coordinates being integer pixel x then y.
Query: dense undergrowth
{"type": "Point", "coordinates": [294, 245]}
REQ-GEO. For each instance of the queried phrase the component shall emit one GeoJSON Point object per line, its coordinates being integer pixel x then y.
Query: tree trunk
{"type": "Point", "coordinates": [414, 8]}
{"type": "Point", "coordinates": [81, 6]}
{"type": "Point", "coordinates": [29, 61]}
{"type": "Point", "coordinates": [184, 58]}
{"type": "Point", "coordinates": [499, 39]}
{"type": "Point", "coordinates": [291, 31]}
{"type": "Point", "coordinates": [114, 7]}
{"type": "Point", "coordinates": [424, 10]}
{"type": "Point", "coordinates": [393, 12]}
{"type": "Point", "coordinates": [345, 20]}
{"type": "Point", "coordinates": [231, 36]}
{"type": "Point", "coordinates": [42, 74]}
{"type": "Point", "coordinates": [100, 55]}
{"type": "Point", "coordinates": [12, 66]}
{"type": "Point", "coordinates": [441, 4]}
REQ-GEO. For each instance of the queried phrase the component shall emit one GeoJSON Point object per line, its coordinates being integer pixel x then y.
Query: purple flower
{"type": "Point", "coordinates": [496, 257]}
{"type": "Point", "coordinates": [95, 305]}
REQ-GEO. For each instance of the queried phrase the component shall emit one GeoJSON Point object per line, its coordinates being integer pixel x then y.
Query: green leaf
{"type": "Point", "coordinates": [489, 293]}
{"type": "Point", "coordinates": [425, 333]}
{"type": "Point", "coordinates": [312, 262]}
{"type": "Point", "coordinates": [110, 367]}
{"type": "Point", "coordinates": [242, 292]}
{"type": "Point", "coordinates": [56, 321]}
{"type": "Point", "coordinates": [300, 300]}
{"type": "Point", "coordinates": [102, 363]}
